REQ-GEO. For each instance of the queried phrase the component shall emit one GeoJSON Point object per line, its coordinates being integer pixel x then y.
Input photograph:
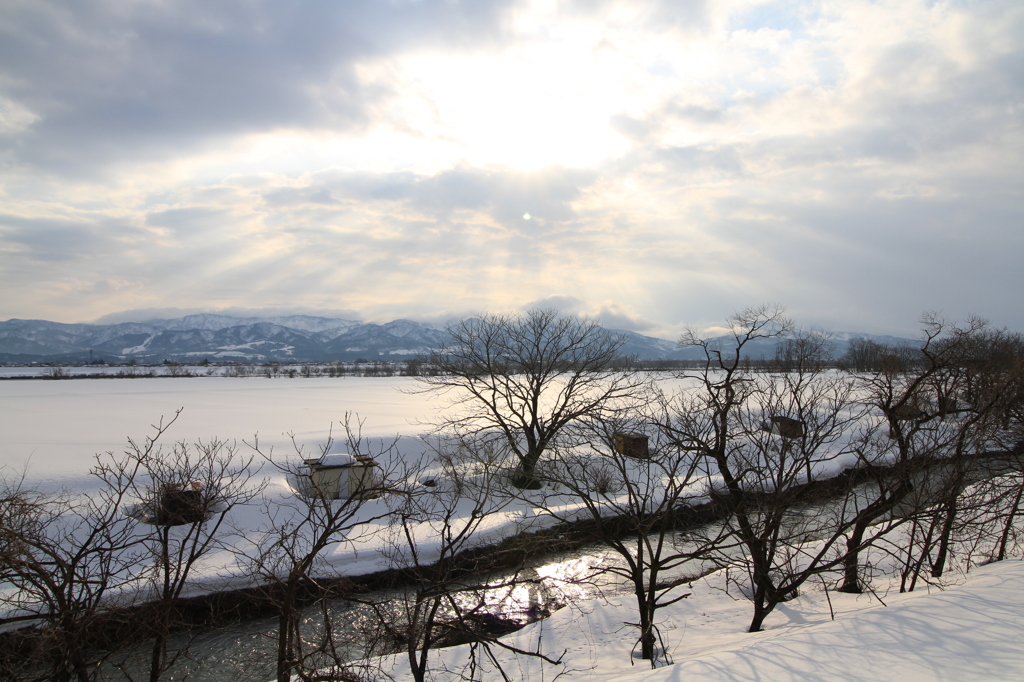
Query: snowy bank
{"type": "Point", "coordinates": [969, 631]}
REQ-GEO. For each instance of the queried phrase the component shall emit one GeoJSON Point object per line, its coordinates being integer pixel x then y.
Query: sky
{"type": "Point", "coordinates": [653, 163]}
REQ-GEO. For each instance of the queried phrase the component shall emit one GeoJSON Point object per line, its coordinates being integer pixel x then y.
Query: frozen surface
{"type": "Point", "coordinates": [55, 428]}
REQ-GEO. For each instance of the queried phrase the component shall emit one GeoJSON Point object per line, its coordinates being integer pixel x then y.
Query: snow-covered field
{"type": "Point", "coordinates": [54, 428]}
{"type": "Point", "coordinates": [52, 431]}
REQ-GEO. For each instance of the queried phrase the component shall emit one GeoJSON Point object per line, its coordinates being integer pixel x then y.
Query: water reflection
{"type": "Point", "coordinates": [248, 650]}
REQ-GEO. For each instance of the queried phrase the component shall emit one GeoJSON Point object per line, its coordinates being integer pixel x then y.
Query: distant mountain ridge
{"type": "Point", "coordinates": [290, 338]}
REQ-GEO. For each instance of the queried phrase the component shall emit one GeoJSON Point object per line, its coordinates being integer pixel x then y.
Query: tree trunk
{"type": "Point", "coordinates": [525, 476]}
{"type": "Point", "coordinates": [157, 658]}
{"type": "Point", "coordinates": [159, 653]}
{"type": "Point", "coordinates": [1009, 524]}
{"type": "Point", "coordinates": [763, 586]}
{"type": "Point", "coordinates": [944, 539]}
{"type": "Point", "coordinates": [420, 642]}
{"type": "Point", "coordinates": [78, 661]}
{"type": "Point", "coordinates": [851, 567]}
{"type": "Point", "coordinates": [284, 629]}
{"type": "Point", "coordinates": [647, 637]}
{"type": "Point", "coordinates": [760, 613]}
{"type": "Point", "coordinates": [851, 562]}
{"type": "Point", "coordinates": [926, 549]}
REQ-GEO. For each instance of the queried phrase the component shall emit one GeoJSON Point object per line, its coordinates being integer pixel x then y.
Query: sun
{"type": "Point", "coordinates": [500, 110]}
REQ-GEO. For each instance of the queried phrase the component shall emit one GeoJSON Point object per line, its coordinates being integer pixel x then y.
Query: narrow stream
{"type": "Point", "coordinates": [247, 650]}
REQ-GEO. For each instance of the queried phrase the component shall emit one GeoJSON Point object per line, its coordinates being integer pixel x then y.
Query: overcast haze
{"type": "Point", "coordinates": [652, 163]}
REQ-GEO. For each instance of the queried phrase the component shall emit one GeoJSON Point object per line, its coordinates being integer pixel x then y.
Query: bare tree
{"type": "Point", "coordinates": [287, 557]}
{"type": "Point", "coordinates": [445, 587]}
{"type": "Point", "coordinates": [762, 438]}
{"type": "Point", "coordinates": [523, 379]}
{"type": "Point", "coordinates": [863, 355]}
{"type": "Point", "coordinates": [185, 494]}
{"type": "Point", "coordinates": [938, 412]}
{"type": "Point", "coordinates": [893, 452]}
{"type": "Point", "coordinates": [804, 351]}
{"type": "Point", "coordinates": [1003, 502]}
{"type": "Point", "coordinates": [70, 559]}
{"type": "Point", "coordinates": [634, 492]}
{"type": "Point", "coordinates": [61, 556]}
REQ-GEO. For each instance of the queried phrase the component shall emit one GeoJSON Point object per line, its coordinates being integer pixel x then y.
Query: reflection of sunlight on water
{"type": "Point", "coordinates": [248, 650]}
{"type": "Point", "coordinates": [574, 579]}
{"type": "Point", "coordinates": [569, 570]}
{"type": "Point", "coordinates": [508, 600]}
{"type": "Point", "coordinates": [533, 593]}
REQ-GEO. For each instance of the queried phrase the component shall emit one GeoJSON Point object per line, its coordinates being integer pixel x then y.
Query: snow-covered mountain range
{"type": "Point", "coordinates": [291, 338]}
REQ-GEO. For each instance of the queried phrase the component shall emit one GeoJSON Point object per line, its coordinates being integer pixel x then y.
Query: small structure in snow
{"type": "Point", "coordinates": [343, 476]}
{"type": "Point", "coordinates": [908, 411]}
{"type": "Point", "coordinates": [787, 427]}
{"type": "Point", "coordinates": [177, 505]}
{"type": "Point", "coordinates": [633, 445]}
{"type": "Point", "coordinates": [946, 405]}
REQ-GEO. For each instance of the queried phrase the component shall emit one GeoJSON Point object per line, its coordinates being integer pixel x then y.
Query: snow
{"type": "Point", "coordinates": [55, 428]}
{"type": "Point", "coordinates": [966, 632]}
{"type": "Point", "coordinates": [341, 459]}
{"type": "Point", "coordinates": [970, 630]}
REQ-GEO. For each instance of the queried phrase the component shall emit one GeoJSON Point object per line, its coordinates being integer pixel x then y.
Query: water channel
{"type": "Point", "coordinates": [247, 650]}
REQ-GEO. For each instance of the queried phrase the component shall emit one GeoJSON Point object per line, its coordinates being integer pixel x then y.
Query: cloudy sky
{"type": "Point", "coordinates": [656, 163]}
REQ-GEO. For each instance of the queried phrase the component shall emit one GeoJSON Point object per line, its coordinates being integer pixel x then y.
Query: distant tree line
{"type": "Point", "coordinates": [790, 352]}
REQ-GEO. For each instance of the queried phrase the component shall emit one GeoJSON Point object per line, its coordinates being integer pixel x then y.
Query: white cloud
{"type": "Point", "coordinates": [858, 161]}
